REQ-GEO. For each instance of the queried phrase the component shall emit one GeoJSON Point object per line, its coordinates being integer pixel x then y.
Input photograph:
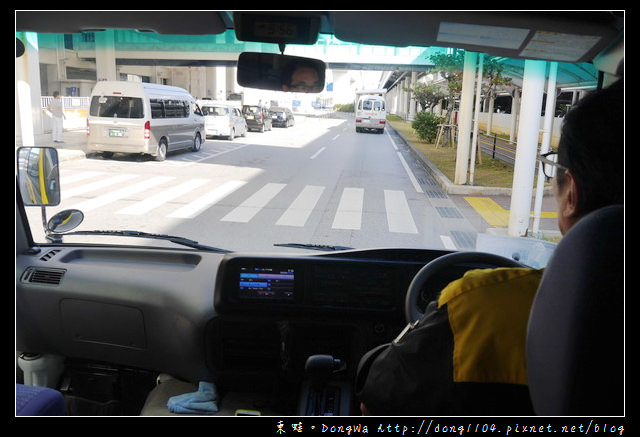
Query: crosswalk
{"type": "Point", "coordinates": [187, 199]}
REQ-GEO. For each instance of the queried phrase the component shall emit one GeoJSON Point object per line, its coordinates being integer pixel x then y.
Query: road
{"type": "Point", "coordinates": [317, 182]}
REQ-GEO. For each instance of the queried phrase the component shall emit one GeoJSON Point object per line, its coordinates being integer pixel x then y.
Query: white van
{"type": "Point", "coordinates": [371, 113]}
{"type": "Point", "coordinates": [222, 119]}
{"type": "Point", "coordinates": [136, 117]}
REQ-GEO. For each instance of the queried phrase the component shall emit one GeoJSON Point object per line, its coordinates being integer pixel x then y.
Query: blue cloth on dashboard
{"type": "Point", "coordinates": [204, 401]}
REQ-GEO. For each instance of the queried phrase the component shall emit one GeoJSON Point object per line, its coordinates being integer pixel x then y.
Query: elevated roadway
{"type": "Point", "coordinates": [140, 48]}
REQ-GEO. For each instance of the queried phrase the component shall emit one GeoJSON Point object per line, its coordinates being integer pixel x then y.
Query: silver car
{"type": "Point", "coordinates": [222, 119]}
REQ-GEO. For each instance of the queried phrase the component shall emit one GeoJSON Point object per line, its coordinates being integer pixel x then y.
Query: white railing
{"type": "Point", "coordinates": [68, 102]}
{"type": "Point", "coordinates": [75, 110]}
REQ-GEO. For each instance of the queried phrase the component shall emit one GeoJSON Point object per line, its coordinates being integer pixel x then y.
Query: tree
{"type": "Point", "coordinates": [427, 96]}
{"type": "Point", "coordinates": [450, 67]}
{"type": "Point", "coordinates": [493, 77]}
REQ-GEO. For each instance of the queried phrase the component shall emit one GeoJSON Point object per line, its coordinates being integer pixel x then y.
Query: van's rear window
{"type": "Point", "coordinates": [113, 106]}
{"type": "Point", "coordinates": [375, 105]}
{"type": "Point", "coordinates": [215, 110]}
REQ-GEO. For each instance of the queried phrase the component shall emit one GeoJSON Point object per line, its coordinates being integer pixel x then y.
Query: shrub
{"type": "Point", "coordinates": [426, 126]}
{"type": "Point", "coordinates": [344, 107]}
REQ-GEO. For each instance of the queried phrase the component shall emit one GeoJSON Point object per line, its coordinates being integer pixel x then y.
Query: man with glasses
{"type": "Point", "coordinates": [467, 354]}
{"type": "Point", "coordinates": [588, 170]}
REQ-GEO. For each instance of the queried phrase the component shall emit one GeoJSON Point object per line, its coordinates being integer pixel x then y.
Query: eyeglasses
{"type": "Point", "coordinates": [550, 164]}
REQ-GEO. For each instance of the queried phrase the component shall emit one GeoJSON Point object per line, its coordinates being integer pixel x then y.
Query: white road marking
{"type": "Point", "coordinates": [349, 213]}
{"type": "Point", "coordinates": [250, 207]}
{"type": "Point", "coordinates": [192, 209]}
{"type": "Point", "coordinates": [399, 215]}
{"type": "Point", "coordinates": [302, 207]}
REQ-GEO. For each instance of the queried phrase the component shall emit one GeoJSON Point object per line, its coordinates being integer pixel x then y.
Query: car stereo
{"type": "Point", "coordinates": [266, 283]}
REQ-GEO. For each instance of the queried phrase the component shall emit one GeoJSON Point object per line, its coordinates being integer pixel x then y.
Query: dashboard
{"type": "Point", "coordinates": [247, 321]}
{"type": "Point", "coordinates": [311, 285]}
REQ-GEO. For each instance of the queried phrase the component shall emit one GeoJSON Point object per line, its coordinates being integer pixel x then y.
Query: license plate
{"type": "Point", "coordinates": [116, 132]}
{"type": "Point", "coordinates": [250, 117]}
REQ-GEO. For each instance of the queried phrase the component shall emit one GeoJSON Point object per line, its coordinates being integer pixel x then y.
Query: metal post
{"type": "Point", "coordinates": [549, 113]}
{"type": "Point", "coordinates": [466, 108]}
{"type": "Point", "coordinates": [528, 130]}
{"type": "Point", "coordinates": [493, 154]}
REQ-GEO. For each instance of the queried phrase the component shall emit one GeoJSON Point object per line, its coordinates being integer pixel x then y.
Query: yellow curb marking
{"type": "Point", "coordinates": [494, 214]}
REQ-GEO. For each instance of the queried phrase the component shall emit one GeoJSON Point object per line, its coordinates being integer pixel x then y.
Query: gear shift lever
{"type": "Point", "coordinates": [319, 369]}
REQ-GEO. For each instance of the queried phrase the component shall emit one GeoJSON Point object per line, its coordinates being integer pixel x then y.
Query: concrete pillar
{"type": "Point", "coordinates": [527, 147]}
{"type": "Point", "coordinates": [402, 99]}
{"type": "Point", "coordinates": [220, 83]}
{"type": "Point", "coordinates": [413, 103]}
{"type": "Point", "coordinates": [476, 118]}
{"type": "Point", "coordinates": [232, 83]}
{"type": "Point", "coordinates": [465, 118]}
{"type": "Point", "coordinates": [27, 97]}
{"type": "Point", "coordinates": [394, 100]}
{"type": "Point", "coordinates": [105, 55]}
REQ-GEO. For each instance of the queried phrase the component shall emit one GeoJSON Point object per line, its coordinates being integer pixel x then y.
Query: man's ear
{"type": "Point", "coordinates": [571, 209]}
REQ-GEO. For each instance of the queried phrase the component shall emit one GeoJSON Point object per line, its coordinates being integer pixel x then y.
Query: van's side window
{"type": "Point", "coordinates": [121, 107]}
{"type": "Point", "coordinates": [157, 109]}
{"type": "Point", "coordinates": [175, 108]}
{"type": "Point", "coordinates": [169, 108]}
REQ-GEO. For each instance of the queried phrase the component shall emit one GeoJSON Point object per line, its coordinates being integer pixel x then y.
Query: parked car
{"type": "Point", "coordinates": [135, 117]}
{"type": "Point", "coordinates": [282, 117]}
{"type": "Point", "coordinates": [222, 119]}
{"type": "Point", "coordinates": [258, 117]}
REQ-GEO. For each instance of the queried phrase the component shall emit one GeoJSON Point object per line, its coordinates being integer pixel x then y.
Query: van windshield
{"type": "Point", "coordinates": [115, 106]}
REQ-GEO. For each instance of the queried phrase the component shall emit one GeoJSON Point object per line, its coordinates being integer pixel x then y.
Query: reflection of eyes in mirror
{"type": "Point", "coordinates": [302, 78]}
{"type": "Point", "coordinates": [281, 72]}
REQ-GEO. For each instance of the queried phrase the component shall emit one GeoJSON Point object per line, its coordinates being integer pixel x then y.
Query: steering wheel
{"type": "Point", "coordinates": [476, 259]}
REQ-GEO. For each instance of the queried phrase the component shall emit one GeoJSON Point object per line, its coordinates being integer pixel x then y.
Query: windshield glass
{"type": "Point", "coordinates": [328, 179]}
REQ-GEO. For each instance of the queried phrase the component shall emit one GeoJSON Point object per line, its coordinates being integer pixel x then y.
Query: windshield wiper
{"type": "Point", "coordinates": [312, 246]}
{"type": "Point", "coordinates": [57, 237]}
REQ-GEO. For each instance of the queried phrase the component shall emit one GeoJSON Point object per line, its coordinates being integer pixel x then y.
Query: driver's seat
{"type": "Point", "coordinates": [575, 337]}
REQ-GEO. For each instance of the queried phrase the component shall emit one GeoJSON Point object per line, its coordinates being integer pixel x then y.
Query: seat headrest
{"type": "Point", "coordinates": [575, 336]}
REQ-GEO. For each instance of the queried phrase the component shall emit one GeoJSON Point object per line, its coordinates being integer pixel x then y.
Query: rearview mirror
{"type": "Point", "coordinates": [281, 72]}
{"type": "Point", "coordinates": [38, 176]}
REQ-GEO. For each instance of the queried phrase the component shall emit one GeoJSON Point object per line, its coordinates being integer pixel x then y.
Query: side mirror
{"type": "Point", "coordinates": [281, 72]}
{"type": "Point", "coordinates": [65, 221]}
{"type": "Point", "coordinates": [38, 176]}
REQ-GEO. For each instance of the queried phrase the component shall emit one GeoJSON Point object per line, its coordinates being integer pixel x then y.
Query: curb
{"type": "Point", "coordinates": [71, 149]}
{"type": "Point", "coordinates": [449, 187]}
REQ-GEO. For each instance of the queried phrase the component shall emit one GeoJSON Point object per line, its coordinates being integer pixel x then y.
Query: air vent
{"type": "Point", "coordinates": [37, 275]}
{"type": "Point", "coordinates": [47, 256]}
